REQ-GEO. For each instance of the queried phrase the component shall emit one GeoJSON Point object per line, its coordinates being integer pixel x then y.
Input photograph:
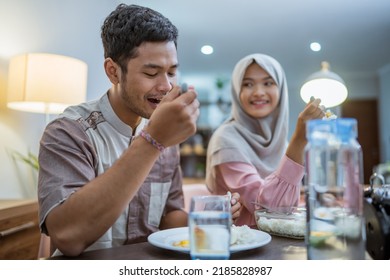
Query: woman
{"type": "Point", "coordinates": [249, 153]}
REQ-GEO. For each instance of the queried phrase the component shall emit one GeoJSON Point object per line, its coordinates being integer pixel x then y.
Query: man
{"type": "Point", "coordinates": [109, 169]}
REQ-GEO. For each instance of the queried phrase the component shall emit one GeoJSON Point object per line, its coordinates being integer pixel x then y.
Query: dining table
{"type": "Point", "coordinates": [279, 248]}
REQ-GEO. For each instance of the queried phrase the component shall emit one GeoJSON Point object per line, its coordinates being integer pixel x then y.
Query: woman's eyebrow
{"type": "Point", "coordinates": [263, 79]}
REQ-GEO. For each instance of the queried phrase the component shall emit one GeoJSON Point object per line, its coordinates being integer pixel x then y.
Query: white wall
{"type": "Point", "coordinates": [14, 172]}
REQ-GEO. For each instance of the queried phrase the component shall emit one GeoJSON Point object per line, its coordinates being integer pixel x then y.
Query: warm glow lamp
{"type": "Point", "coordinates": [326, 85]}
{"type": "Point", "coordinates": [45, 83]}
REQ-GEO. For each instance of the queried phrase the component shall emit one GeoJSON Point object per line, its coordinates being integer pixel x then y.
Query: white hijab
{"type": "Point", "coordinates": [242, 138]}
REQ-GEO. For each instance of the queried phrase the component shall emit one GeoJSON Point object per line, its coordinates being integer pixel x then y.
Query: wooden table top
{"type": "Point", "coordinates": [279, 248]}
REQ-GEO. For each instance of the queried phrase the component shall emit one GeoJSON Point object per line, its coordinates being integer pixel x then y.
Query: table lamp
{"type": "Point", "coordinates": [326, 85]}
{"type": "Point", "coordinates": [45, 83]}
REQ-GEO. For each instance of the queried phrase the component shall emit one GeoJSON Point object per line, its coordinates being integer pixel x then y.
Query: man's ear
{"type": "Point", "coordinates": [113, 70]}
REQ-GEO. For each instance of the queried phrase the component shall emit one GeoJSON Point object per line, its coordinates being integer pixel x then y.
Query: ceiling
{"type": "Point", "coordinates": [355, 35]}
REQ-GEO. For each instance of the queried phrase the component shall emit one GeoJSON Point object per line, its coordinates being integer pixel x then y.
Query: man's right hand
{"type": "Point", "coordinates": [174, 119]}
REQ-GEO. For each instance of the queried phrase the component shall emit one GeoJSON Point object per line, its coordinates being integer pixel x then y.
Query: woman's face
{"type": "Point", "coordinates": [259, 94]}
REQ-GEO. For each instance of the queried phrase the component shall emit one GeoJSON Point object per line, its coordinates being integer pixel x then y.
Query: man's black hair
{"type": "Point", "coordinates": [128, 26]}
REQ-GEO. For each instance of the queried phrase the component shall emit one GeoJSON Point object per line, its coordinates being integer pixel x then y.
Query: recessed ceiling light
{"type": "Point", "coordinates": [315, 47]}
{"type": "Point", "coordinates": [207, 49]}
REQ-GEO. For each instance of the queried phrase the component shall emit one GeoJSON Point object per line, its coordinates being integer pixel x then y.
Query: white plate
{"type": "Point", "coordinates": [326, 213]}
{"type": "Point", "coordinates": [165, 238]}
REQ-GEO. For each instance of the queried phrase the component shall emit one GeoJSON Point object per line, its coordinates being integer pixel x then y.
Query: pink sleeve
{"type": "Point", "coordinates": [280, 188]}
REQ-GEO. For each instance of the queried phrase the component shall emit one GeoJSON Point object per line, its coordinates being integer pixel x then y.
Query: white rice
{"type": "Point", "coordinates": [242, 235]}
{"type": "Point", "coordinates": [283, 227]}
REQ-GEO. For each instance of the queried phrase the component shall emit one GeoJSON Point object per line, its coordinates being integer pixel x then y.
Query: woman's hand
{"type": "Point", "coordinates": [295, 149]}
{"type": "Point", "coordinates": [236, 206]}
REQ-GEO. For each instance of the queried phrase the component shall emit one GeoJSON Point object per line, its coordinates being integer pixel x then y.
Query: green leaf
{"type": "Point", "coordinates": [30, 159]}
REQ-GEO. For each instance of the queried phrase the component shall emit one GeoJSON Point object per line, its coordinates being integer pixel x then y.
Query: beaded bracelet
{"type": "Point", "coordinates": [151, 140]}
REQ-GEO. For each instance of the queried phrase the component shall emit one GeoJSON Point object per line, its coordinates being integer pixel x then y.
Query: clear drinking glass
{"type": "Point", "coordinates": [209, 223]}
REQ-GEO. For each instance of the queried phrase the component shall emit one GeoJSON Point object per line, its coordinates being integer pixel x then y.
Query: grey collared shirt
{"type": "Point", "coordinates": [83, 143]}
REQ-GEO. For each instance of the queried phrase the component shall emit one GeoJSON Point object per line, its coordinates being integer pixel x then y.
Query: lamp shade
{"type": "Point", "coordinates": [45, 83]}
{"type": "Point", "coordinates": [326, 85]}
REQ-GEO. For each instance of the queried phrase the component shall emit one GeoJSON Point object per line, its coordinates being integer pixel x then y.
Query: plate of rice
{"type": "Point", "coordinates": [177, 239]}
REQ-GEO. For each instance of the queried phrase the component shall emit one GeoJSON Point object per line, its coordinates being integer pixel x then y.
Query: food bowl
{"type": "Point", "coordinates": [282, 221]}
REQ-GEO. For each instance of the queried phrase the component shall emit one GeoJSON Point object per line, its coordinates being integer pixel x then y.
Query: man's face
{"type": "Point", "coordinates": [149, 77]}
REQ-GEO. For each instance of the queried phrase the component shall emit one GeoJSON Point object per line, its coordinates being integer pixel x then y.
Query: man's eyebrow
{"type": "Point", "coordinates": [155, 66]}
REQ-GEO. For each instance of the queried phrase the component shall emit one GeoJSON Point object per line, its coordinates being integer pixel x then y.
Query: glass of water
{"type": "Point", "coordinates": [209, 224]}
